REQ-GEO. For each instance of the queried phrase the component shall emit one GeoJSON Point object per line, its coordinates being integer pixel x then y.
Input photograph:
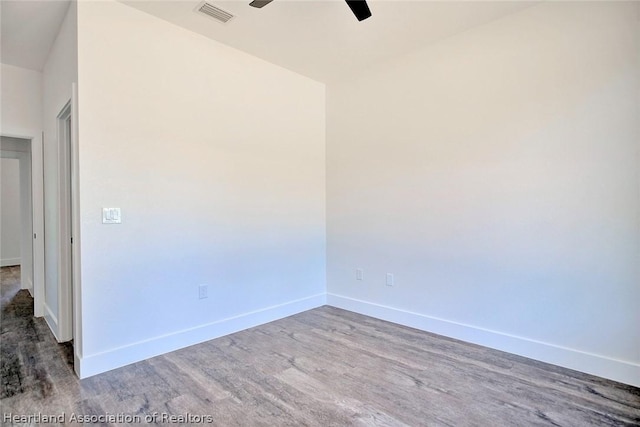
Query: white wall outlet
{"type": "Point", "coordinates": [111, 216]}
{"type": "Point", "coordinates": [359, 274]}
{"type": "Point", "coordinates": [390, 280]}
{"type": "Point", "coordinates": [203, 291]}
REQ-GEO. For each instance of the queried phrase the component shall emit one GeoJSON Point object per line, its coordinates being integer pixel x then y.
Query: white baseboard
{"type": "Point", "coordinates": [9, 262]}
{"type": "Point", "coordinates": [52, 320]}
{"type": "Point", "coordinates": [602, 366]}
{"type": "Point", "coordinates": [28, 285]}
{"type": "Point", "coordinates": [94, 364]}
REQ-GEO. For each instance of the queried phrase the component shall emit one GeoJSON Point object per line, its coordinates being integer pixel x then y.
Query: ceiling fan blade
{"type": "Point", "coordinates": [260, 3]}
{"type": "Point", "coordinates": [359, 8]}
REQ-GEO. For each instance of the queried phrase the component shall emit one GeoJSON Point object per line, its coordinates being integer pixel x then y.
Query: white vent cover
{"type": "Point", "coordinates": [214, 12]}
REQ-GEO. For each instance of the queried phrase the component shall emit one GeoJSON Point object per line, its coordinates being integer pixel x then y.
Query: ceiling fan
{"type": "Point", "coordinates": [359, 7]}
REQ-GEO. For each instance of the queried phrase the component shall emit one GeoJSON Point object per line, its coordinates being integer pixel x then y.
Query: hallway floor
{"type": "Point", "coordinates": [30, 358]}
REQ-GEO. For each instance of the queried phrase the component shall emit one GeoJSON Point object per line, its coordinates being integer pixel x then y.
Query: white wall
{"type": "Point", "coordinates": [10, 212]}
{"type": "Point", "coordinates": [21, 101]}
{"type": "Point", "coordinates": [496, 174]}
{"type": "Point", "coordinates": [60, 72]}
{"type": "Point", "coordinates": [217, 161]}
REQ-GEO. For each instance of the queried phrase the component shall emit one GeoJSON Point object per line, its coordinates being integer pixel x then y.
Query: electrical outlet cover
{"type": "Point", "coordinates": [390, 280]}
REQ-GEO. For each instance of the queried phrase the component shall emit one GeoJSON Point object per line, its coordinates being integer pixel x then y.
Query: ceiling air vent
{"type": "Point", "coordinates": [214, 12]}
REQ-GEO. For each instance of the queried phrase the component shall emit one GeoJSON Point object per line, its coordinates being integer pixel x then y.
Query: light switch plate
{"type": "Point", "coordinates": [111, 216]}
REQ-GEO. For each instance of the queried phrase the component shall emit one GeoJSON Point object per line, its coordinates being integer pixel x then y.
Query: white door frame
{"type": "Point", "coordinates": [65, 226]}
{"type": "Point", "coordinates": [34, 138]}
{"type": "Point", "coordinates": [75, 229]}
{"type": "Point", "coordinates": [69, 296]}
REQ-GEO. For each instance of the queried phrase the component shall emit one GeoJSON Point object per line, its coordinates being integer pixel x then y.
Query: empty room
{"type": "Point", "coordinates": [320, 213]}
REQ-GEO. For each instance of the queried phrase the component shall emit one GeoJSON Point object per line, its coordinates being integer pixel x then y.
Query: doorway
{"type": "Point", "coordinates": [62, 296]}
{"type": "Point", "coordinates": [55, 270]}
{"type": "Point", "coordinates": [17, 209]}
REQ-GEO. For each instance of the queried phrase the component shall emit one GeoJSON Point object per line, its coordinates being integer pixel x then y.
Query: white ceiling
{"type": "Point", "coordinates": [28, 29]}
{"type": "Point", "coordinates": [321, 38]}
{"type": "Point", "coordinates": [317, 38]}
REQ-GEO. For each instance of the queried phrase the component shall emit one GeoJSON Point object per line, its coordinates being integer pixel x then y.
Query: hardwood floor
{"type": "Point", "coordinates": [324, 367]}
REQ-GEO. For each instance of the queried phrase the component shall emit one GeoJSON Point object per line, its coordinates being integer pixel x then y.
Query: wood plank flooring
{"type": "Point", "coordinates": [324, 367]}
